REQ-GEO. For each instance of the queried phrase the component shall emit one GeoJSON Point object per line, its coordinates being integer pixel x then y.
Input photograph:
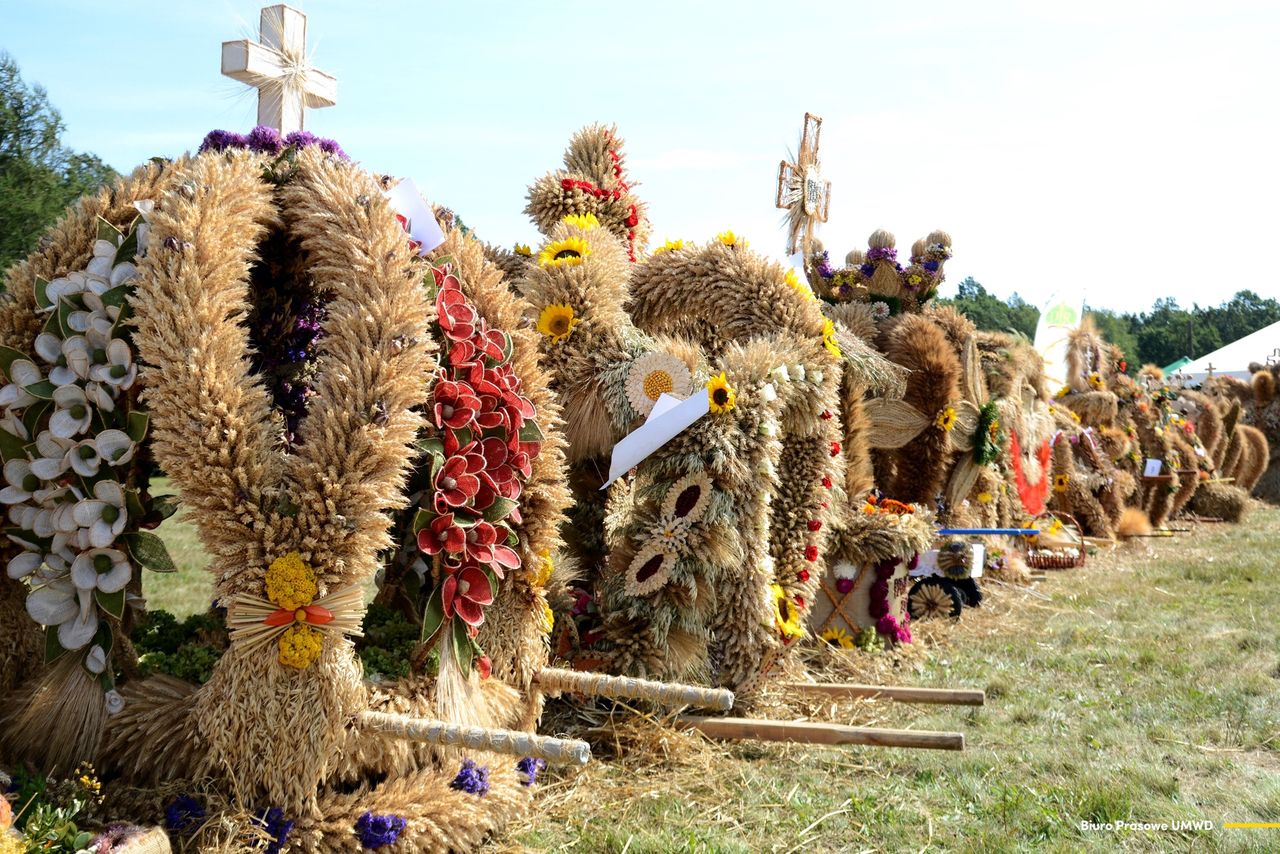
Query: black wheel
{"type": "Point", "coordinates": [969, 592]}
{"type": "Point", "coordinates": [934, 597]}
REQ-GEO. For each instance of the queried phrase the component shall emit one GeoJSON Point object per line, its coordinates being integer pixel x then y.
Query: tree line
{"type": "Point", "coordinates": [1161, 335]}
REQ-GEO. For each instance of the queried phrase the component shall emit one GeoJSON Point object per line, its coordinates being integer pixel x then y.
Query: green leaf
{"type": "Point", "coordinates": [11, 447]}
{"type": "Point", "coordinates": [53, 650]}
{"type": "Point", "coordinates": [107, 231]}
{"type": "Point", "coordinates": [531, 432]}
{"type": "Point", "coordinates": [42, 293]}
{"type": "Point", "coordinates": [128, 247]}
{"type": "Point", "coordinates": [8, 356]}
{"type": "Point", "coordinates": [433, 614]}
{"type": "Point", "coordinates": [164, 506]}
{"type": "Point", "coordinates": [150, 551]}
{"type": "Point", "coordinates": [65, 308]}
{"type": "Point", "coordinates": [133, 504]}
{"type": "Point", "coordinates": [43, 390]}
{"type": "Point", "coordinates": [112, 603]}
{"type": "Point", "coordinates": [422, 520]}
{"type": "Point", "coordinates": [462, 649]}
{"type": "Point", "coordinates": [117, 295]}
{"type": "Point", "coordinates": [463, 435]}
{"type": "Point", "coordinates": [138, 423]}
{"type": "Point", "coordinates": [500, 509]}
{"type": "Point", "coordinates": [34, 415]}
{"type": "Point", "coordinates": [434, 445]}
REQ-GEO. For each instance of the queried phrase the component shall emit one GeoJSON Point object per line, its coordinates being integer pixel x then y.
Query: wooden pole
{"type": "Point", "coordinates": [554, 679]}
{"type": "Point", "coordinates": [903, 694]}
{"type": "Point", "coordinates": [565, 751]}
{"type": "Point", "coordinates": [806, 732]}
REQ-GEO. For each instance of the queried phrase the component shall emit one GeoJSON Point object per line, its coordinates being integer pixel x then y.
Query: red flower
{"type": "Point", "coordinates": [457, 482]}
{"type": "Point", "coordinates": [480, 539]}
{"type": "Point", "coordinates": [803, 575]}
{"type": "Point", "coordinates": [484, 666]}
{"type": "Point", "coordinates": [815, 524]}
{"type": "Point", "coordinates": [800, 602]}
{"type": "Point", "coordinates": [456, 405]}
{"type": "Point", "coordinates": [826, 415]}
{"type": "Point", "coordinates": [466, 594]}
{"type": "Point", "coordinates": [835, 448]}
{"type": "Point", "coordinates": [826, 481]}
{"type": "Point", "coordinates": [455, 315]}
{"type": "Point", "coordinates": [811, 553]}
{"type": "Point", "coordinates": [442, 535]}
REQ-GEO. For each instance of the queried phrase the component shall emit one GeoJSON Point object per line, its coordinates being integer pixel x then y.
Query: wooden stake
{"type": "Point", "coordinates": [552, 679]}
{"type": "Point", "coordinates": [903, 694]}
{"type": "Point", "coordinates": [807, 732]}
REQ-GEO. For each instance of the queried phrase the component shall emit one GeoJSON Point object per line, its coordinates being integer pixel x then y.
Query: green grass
{"type": "Point", "coordinates": [190, 589]}
{"type": "Point", "coordinates": [1142, 688]}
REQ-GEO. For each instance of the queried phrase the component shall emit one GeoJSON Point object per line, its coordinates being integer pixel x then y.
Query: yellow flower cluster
{"type": "Point", "coordinates": [291, 583]}
{"type": "Point", "coordinates": [669, 246]}
{"type": "Point", "coordinates": [300, 646]}
{"type": "Point", "coordinates": [829, 338]}
{"type": "Point", "coordinates": [584, 221]}
{"type": "Point", "coordinates": [837, 636]}
{"type": "Point", "coordinates": [523, 250]}
{"type": "Point", "coordinates": [797, 285]}
{"type": "Point", "coordinates": [564, 253]}
{"type": "Point", "coordinates": [728, 238]}
{"type": "Point", "coordinates": [1060, 482]}
{"type": "Point", "coordinates": [946, 419]}
{"type": "Point", "coordinates": [11, 842]}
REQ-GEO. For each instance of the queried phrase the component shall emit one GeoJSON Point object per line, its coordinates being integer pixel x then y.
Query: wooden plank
{"type": "Point", "coordinates": [902, 694]}
{"type": "Point", "coordinates": [808, 732]}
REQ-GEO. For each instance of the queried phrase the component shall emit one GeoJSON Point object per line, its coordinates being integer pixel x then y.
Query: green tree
{"type": "Point", "coordinates": [39, 177]}
{"type": "Point", "coordinates": [990, 313]}
{"type": "Point", "coordinates": [1118, 330]}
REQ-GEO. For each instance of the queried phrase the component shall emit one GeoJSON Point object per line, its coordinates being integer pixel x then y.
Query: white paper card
{"type": "Point", "coordinates": [422, 226]}
{"type": "Point", "coordinates": [669, 417]}
{"type": "Point", "coordinates": [1152, 469]}
{"type": "Point", "coordinates": [928, 563]}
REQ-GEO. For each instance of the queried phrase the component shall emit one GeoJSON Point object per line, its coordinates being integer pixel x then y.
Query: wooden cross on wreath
{"type": "Point", "coordinates": [801, 190]}
{"type": "Point", "coordinates": [279, 70]}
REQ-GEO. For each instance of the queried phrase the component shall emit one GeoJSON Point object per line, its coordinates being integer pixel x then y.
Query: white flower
{"type": "Point", "coordinates": [48, 347]}
{"type": "Point", "coordinates": [100, 396]}
{"type": "Point", "coordinates": [879, 310]}
{"type": "Point", "coordinates": [96, 661]}
{"type": "Point", "coordinates": [115, 447]}
{"type": "Point", "coordinates": [797, 373]}
{"type": "Point", "coordinates": [104, 569]}
{"type": "Point", "coordinates": [115, 703]}
{"type": "Point", "coordinates": [102, 316]}
{"type": "Point", "coordinates": [844, 569]}
{"type": "Point", "coordinates": [781, 373]}
{"type": "Point", "coordinates": [11, 423]}
{"type": "Point", "coordinates": [71, 414]}
{"type": "Point", "coordinates": [122, 273]}
{"type": "Point", "coordinates": [84, 459]}
{"type": "Point", "coordinates": [76, 632]}
{"type": "Point", "coordinates": [118, 370]}
{"type": "Point", "coordinates": [104, 249]}
{"type": "Point", "coordinates": [100, 265]}
{"type": "Point", "coordinates": [104, 514]}
{"type": "Point", "coordinates": [74, 362]}
{"type": "Point", "coordinates": [52, 461]}
{"type": "Point", "coordinates": [37, 520]}
{"type": "Point", "coordinates": [22, 483]}
{"type": "Point", "coordinates": [22, 373]}
{"type": "Point", "coordinates": [53, 602]}
{"type": "Point", "coordinates": [24, 564]}
{"type": "Point", "coordinates": [768, 393]}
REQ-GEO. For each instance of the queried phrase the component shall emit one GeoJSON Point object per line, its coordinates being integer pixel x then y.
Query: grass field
{"type": "Point", "coordinates": [1141, 688]}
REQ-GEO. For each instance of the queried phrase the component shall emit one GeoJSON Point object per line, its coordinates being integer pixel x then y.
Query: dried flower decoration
{"type": "Point", "coordinates": [557, 322]}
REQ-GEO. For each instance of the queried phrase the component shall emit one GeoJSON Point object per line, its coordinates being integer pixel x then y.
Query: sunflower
{"type": "Point", "coordinates": [785, 614]}
{"type": "Point", "coordinates": [720, 394]}
{"type": "Point", "coordinates": [728, 238]}
{"type": "Point", "coordinates": [669, 246]}
{"type": "Point", "coordinates": [985, 498]}
{"type": "Point", "coordinates": [557, 322]}
{"type": "Point", "coordinates": [1060, 482]}
{"type": "Point", "coordinates": [1063, 392]}
{"type": "Point", "coordinates": [523, 250]}
{"type": "Point", "coordinates": [837, 636]}
{"type": "Point", "coordinates": [802, 288]}
{"type": "Point", "coordinates": [946, 419]}
{"type": "Point", "coordinates": [585, 222]}
{"type": "Point", "coordinates": [829, 338]}
{"type": "Point", "coordinates": [568, 252]}
{"type": "Point", "coordinates": [1096, 380]}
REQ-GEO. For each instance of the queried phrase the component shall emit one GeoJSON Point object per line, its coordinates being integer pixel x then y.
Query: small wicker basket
{"type": "Point", "coordinates": [1068, 556]}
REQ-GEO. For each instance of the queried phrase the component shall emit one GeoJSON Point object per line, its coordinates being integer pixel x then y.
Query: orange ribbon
{"type": "Point", "coordinates": [313, 614]}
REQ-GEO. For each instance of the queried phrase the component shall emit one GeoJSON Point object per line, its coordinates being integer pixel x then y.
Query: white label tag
{"type": "Point", "coordinates": [670, 415]}
{"type": "Point", "coordinates": [420, 222]}
{"type": "Point", "coordinates": [1152, 469]}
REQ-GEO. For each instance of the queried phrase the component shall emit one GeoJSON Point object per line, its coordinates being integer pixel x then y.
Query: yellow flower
{"type": "Point", "coordinates": [290, 582]}
{"type": "Point", "coordinates": [1074, 416]}
{"type": "Point", "coordinates": [11, 843]}
{"type": "Point", "coordinates": [837, 636]}
{"type": "Point", "coordinates": [993, 430]}
{"type": "Point", "coordinates": [720, 394]}
{"type": "Point", "coordinates": [829, 338]}
{"type": "Point", "coordinates": [946, 419]}
{"type": "Point", "coordinates": [544, 571]}
{"type": "Point", "coordinates": [728, 238]}
{"type": "Point", "coordinates": [585, 222]}
{"type": "Point", "coordinates": [1060, 482]}
{"type": "Point", "coordinates": [785, 614]}
{"type": "Point", "coordinates": [1095, 380]}
{"type": "Point", "coordinates": [669, 246]}
{"type": "Point", "coordinates": [915, 279]}
{"type": "Point", "coordinates": [985, 497]}
{"type": "Point", "coordinates": [564, 253]}
{"type": "Point", "coordinates": [548, 618]}
{"type": "Point", "coordinates": [557, 322]}
{"type": "Point", "coordinates": [523, 249]}
{"type": "Point", "coordinates": [798, 286]}
{"type": "Point", "coordinates": [300, 645]}
{"type": "Point", "coordinates": [1063, 392]}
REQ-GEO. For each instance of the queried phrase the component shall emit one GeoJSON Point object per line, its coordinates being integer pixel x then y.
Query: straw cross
{"type": "Point", "coordinates": [279, 70]}
{"type": "Point", "coordinates": [801, 190]}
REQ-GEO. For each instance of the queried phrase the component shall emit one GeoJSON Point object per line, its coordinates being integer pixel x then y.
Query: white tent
{"type": "Point", "coordinates": [1233, 360]}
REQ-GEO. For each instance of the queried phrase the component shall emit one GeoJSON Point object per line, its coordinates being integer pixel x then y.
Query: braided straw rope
{"type": "Point", "coordinates": [554, 679]}
{"type": "Point", "coordinates": [563, 751]}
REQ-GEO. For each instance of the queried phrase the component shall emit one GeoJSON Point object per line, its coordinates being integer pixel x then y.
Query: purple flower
{"type": "Point", "coordinates": [931, 266]}
{"type": "Point", "coordinates": [221, 140]}
{"type": "Point", "coordinates": [529, 766]}
{"type": "Point", "coordinates": [376, 831]}
{"type": "Point", "coordinates": [300, 138]}
{"type": "Point", "coordinates": [329, 146]}
{"type": "Point", "coordinates": [265, 140]}
{"type": "Point", "coordinates": [823, 264]}
{"type": "Point", "coordinates": [470, 779]}
{"type": "Point", "coordinates": [183, 812]}
{"type": "Point", "coordinates": [887, 625]}
{"type": "Point", "coordinates": [867, 269]}
{"type": "Point", "coordinates": [277, 827]}
{"type": "Point", "coordinates": [844, 585]}
{"type": "Point", "coordinates": [886, 253]}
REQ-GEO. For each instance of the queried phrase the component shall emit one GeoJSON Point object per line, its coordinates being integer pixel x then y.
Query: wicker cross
{"type": "Point", "coordinates": [801, 190]}
{"type": "Point", "coordinates": [279, 70]}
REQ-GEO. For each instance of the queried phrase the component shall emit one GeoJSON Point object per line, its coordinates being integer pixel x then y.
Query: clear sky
{"type": "Point", "coordinates": [1130, 148]}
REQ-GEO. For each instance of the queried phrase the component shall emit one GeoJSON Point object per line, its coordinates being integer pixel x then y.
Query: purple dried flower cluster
{"type": "Point", "coordinates": [267, 140]}
{"type": "Point", "coordinates": [470, 779]}
{"type": "Point", "coordinates": [822, 263]}
{"type": "Point", "coordinates": [377, 831]}
{"type": "Point", "coordinates": [183, 812]}
{"type": "Point", "coordinates": [878, 607]}
{"type": "Point", "coordinates": [882, 253]}
{"type": "Point", "coordinates": [277, 827]}
{"type": "Point", "coordinates": [529, 766]}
